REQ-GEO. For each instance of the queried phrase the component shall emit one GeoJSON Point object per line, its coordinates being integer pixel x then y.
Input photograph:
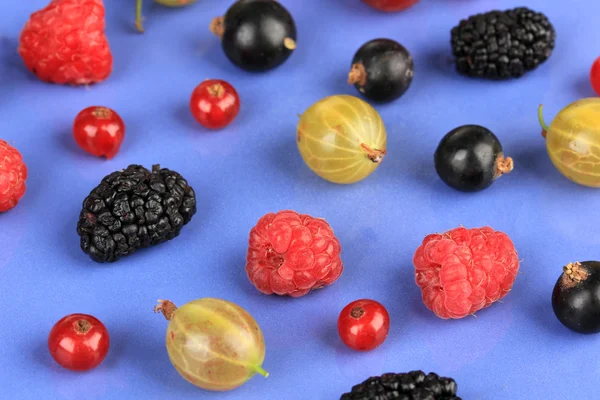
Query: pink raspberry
{"type": "Point", "coordinates": [13, 173]}
{"type": "Point", "coordinates": [464, 270]}
{"type": "Point", "coordinates": [292, 254]}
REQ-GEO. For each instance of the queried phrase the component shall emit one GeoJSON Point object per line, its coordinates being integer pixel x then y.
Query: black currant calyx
{"type": "Point", "coordinates": [374, 155]}
{"type": "Point", "coordinates": [289, 43]}
{"type": "Point", "coordinates": [573, 274]}
{"type": "Point", "coordinates": [217, 26]}
{"type": "Point", "coordinates": [503, 166]}
{"type": "Point", "coordinates": [541, 119]}
{"type": "Point", "coordinates": [357, 75]}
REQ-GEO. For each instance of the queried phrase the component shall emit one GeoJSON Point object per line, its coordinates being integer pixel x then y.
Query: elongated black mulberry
{"type": "Point", "coordinates": [132, 209]}
{"type": "Point", "coordinates": [502, 44]}
{"type": "Point", "coordinates": [414, 385]}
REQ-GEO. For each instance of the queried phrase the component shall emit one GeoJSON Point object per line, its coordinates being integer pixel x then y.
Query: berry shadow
{"type": "Point", "coordinates": [183, 115]}
{"type": "Point", "coordinates": [142, 353]}
{"type": "Point", "coordinates": [583, 87]}
{"type": "Point", "coordinates": [541, 313]}
{"type": "Point", "coordinates": [337, 83]}
{"type": "Point", "coordinates": [330, 336]}
{"type": "Point", "coordinates": [40, 355]}
{"type": "Point", "coordinates": [440, 59]}
{"type": "Point", "coordinates": [237, 272]}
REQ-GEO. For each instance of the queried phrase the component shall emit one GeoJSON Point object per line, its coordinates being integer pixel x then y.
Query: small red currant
{"type": "Point", "coordinates": [214, 103]}
{"type": "Point", "coordinates": [363, 324]}
{"type": "Point", "coordinates": [99, 131]}
{"type": "Point", "coordinates": [595, 76]}
{"type": "Point", "coordinates": [391, 5]}
{"type": "Point", "coordinates": [78, 342]}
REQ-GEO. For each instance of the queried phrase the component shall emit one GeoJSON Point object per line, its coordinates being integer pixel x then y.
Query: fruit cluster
{"type": "Point", "coordinates": [343, 140]}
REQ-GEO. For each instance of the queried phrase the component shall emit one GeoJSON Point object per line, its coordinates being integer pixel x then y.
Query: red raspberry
{"type": "Point", "coordinates": [13, 173]}
{"type": "Point", "coordinates": [65, 43]}
{"type": "Point", "coordinates": [465, 270]}
{"type": "Point", "coordinates": [291, 254]}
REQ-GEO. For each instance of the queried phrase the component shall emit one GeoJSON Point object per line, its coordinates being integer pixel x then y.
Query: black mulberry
{"type": "Point", "coordinates": [132, 209]}
{"type": "Point", "coordinates": [502, 44]}
{"type": "Point", "coordinates": [414, 385]}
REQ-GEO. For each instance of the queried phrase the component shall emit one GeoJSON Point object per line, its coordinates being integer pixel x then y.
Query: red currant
{"type": "Point", "coordinates": [363, 324]}
{"type": "Point", "coordinates": [595, 76]}
{"type": "Point", "coordinates": [391, 5]}
{"type": "Point", "coordinates": [99, 131]}
{"type": "Point", "coordinates": [78, 342]}
{"type": "Point", "coordinates": [214, 103]}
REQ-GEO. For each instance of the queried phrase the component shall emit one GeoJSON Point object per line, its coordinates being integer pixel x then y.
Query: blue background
{"type": "Point", "coordinates": [513, 350]}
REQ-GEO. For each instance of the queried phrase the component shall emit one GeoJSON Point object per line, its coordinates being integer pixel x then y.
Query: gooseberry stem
{"type": "Point", "coordinates": [541, 119]}
{"type": "Point", "coordinates": [259, 370]}
{"type": "Point", "coordinates": [138, 15]}
{"type": "Point", "coordinates": [166, 307]}
{"type": "Point", "coordinates": [374, 155]}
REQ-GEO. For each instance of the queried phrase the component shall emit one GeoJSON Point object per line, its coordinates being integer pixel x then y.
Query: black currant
{"type": "Point", "coordinates": [576, 297]}
{"type": "Point", "coordinates": [469, 158]}
{"type": "Point", "coordinates": [382, 70]}
{"type": "Point", "coordinates": [256, 35]}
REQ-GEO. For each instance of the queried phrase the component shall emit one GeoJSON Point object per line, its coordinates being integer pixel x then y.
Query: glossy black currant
{"type": "Point", "coordinates": [576, 297]}
{"type": "Point", "coordinates": [469, 158]}
{"type": "Point", "coordinates": [257, 35]}
{"type": "Point", "coordinates": [382, 70]}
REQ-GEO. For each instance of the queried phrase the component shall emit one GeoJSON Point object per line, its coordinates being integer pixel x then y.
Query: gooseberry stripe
{"type": "Point", "coordinates": [304, 135]}
{"type": "Point", "coordinates": [208, 350]}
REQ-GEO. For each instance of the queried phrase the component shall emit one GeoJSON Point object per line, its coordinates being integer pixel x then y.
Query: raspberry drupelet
{"type": "Point", "coordinates": [465, 270]}
{"type": "Point", "coordinates": [292, 254]}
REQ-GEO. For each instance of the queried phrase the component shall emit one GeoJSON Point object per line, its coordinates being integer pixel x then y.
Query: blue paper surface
{"type": "Point", "coordinates": [514, 350]}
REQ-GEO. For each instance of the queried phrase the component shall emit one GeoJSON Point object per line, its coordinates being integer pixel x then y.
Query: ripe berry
{"type": "Point", "coordinates": [65, 43]}
{"type": "Point", "coordinates": [363, 325]}
{"type": "Point", "coordinates": [470, 158]}
{"type": "Point", "coordinates": [78, 342]}
{"type": "Point", "coordinates": [99, 131]}
{"type": "Point", "coordinates": [214, 103]}
{"type": "Point", "coordinates": [132, 209]}
{"type": "Point", "coordinates": [13, 173]}
{"type": "Point", "coordinates": [213, 343]}
{"type": "Point", "coordinates": [414, 385]}
{"type": "Point", "coordinates": [391, 5]}
{"type": "Point", "coordinates": [382, 70]}
{"type": "Point", "coordinates": [292, 254]}
{"type": "Point", "coordinates": [257, 35]}
{"type": "Point", "coordinates": [166, 3]}
{"type": "Point", "coordinates": [465, 270]}
{"type": "Point", "coordinates": [595, 76]}
{"type": "Point", "coordinates": [576, 297]}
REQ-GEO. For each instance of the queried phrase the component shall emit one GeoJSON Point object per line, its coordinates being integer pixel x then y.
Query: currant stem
{"type": "Point", "coordinates": [166, 307]}
{"type": "Point", "coordinates": [138, 16]}
{"type": "Point", "coordinates": [545, 127]}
